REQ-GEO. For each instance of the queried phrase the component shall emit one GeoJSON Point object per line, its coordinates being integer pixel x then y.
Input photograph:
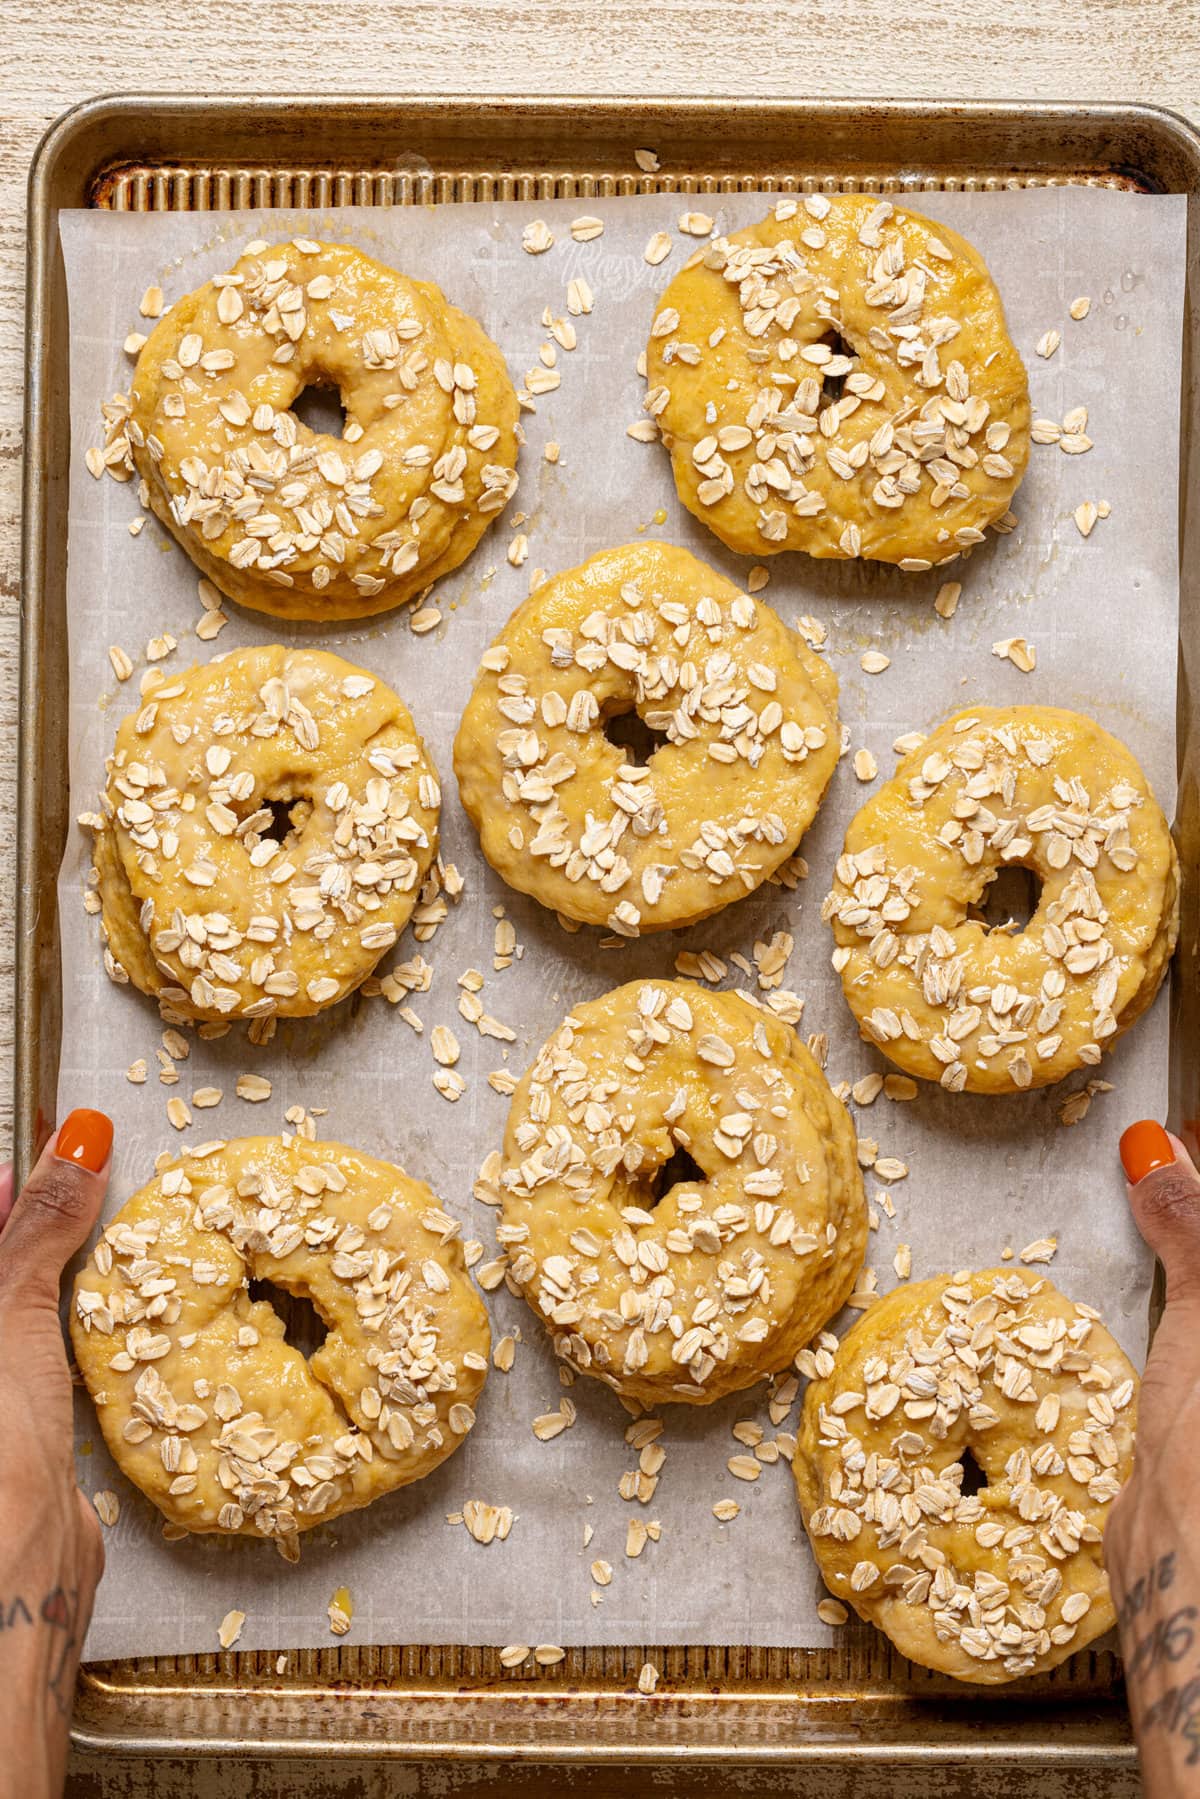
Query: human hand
{"type": "Point", "coordinates": [51, 1553]}
{"type": "Point", "coordinates": [1152, 1543]}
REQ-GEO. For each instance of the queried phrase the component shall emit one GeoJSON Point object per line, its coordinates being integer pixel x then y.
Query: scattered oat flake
{"type": "Point", "coordinates": [1022, 655]}
{"type": "Point", "coordinates": [536, 237]}
{"type": "Point", "coordinates": [865, 766]}
{"type": "Point", "coordinates": [899, 1086]}
{"type": "Point", "coordinates": [135, 1074]}
{"type": "Point", "coordinates": [210, 625]}
{"type": "Point", "coordinates": [1042, 1250]}
{"type": "Point", "coordinates": [601, 1572]}
{"type": "Point", "coordinates": [647, 1679]}
{"type": "Point", "coordinates": [580, 298]}
{"type": "Point", "coordinates": [744, 1467]}
{"type": "Point", "coordinates": [121, 665]}
{"type": "Point", "coordinates": [205, 1097]}
{"type": "Point", "coordinates": [1048, 343]}
{"type": "Point", "coordinates": [160, 647]}
{"type": "Point", "coordinates": [513, 1654]}
{"type": "Point", "coordinates": [946, 599]}
{"type": "Point", "coordinates": [832, 1612]}
{"type": "Point", "coordinates": [548, 1655]}
{"type": "Point", "coordinates": [150, 306]}
{"type": "Point", "coordinates": [1086, 515]}
{"type": "Point", "coordinates": [757, 579]}
{"type": "Point", "coordinates": [584, 229]}
{"type": "Point", "coordinates": [444, 1045]}
{"type": "Point", "coordinates": [902, 1261]}
{"type": "Point", "coordinates": [449, 1084]}
{"type": "Point", "coordinates": [866, 1091]}
{"type": "Point", "coordinates": [890, 1168]}
{"type": "Point", "coordinates": [874, 662]}
{"type": "Point", "coordinates": [1080, 308]}
{"type": "Point", "coordinates": [108, 1506]}
{"type": "Point", "coordinates": [178, 1114]}
{"type": "Point", "coordinates": [427, 618]}
{"type": "Point", "coordinates": [487, 1522]}
{"type": "Point", "coordinates": [647, 161]}
{"type": "Point", "coordinates": [658, 249]}
{"type": "Point", "coordinates": [94, 460]}
{"type": "Point", "coordinates": [552, 1424]}
{"type": "Point", "coordinates": [695, 224]}
{"type": "Point", "coordinates": [230, 1629]}
{"type": "Point", "coordinates": [636, 1537]}
{"type": "Point", "coordinates": [254, 1087]}
{"type": "Point", "coordinates": [341, 1611]}
{"type": "Point", "coordinates": [726, 1509]}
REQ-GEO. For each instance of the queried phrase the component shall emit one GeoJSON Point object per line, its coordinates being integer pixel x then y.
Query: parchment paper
{"type": "Point", "coordinates": [986, 1174]}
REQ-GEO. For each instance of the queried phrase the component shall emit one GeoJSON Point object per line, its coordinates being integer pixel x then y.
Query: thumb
{"type": "Point", "coordinates": [54, 1212]}
{"type": "Point", "coordinates": [1164, 1196]}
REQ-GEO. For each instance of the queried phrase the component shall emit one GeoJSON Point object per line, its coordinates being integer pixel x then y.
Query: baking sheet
{"type": "Point", "coordinates": [985, 1174]}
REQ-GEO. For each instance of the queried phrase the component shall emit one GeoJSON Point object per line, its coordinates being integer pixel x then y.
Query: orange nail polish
{"type": "Point", "coordinates": [1145, 1146]}
{"type": "Point", "coordinates": [85, 1139]}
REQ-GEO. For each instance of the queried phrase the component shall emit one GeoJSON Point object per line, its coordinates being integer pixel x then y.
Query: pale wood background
{"type": "Point", "coordinates": [54, 54]}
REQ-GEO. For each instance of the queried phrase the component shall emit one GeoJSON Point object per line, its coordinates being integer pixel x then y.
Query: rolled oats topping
{"type": "Point", "coordinates": [682, 1205]}
{"type": "Point", "coordinates": [839, 379]}
{"type": "Point", "coordinates": [956, 1466]}
{"type": "Point", "coordinates": [206, 1407]}
{"type": "Point", "coordinates": [740, 736]}
{"type": "Point", "coordinates": [1004, 1007]}
{"type": "Point", "coordinates": [269, 822]}
{"type": "Point", "coordinates": [306, 524]}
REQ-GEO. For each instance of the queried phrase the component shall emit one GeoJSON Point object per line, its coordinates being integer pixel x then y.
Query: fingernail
{"type": "Point", "coordinates": [85, 1139]}
{"type": "Point", "coordinates": [1145, 1146]}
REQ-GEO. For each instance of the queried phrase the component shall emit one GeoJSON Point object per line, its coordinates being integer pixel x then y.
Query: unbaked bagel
{"type": "Point", "coordinates": [268, 820]}
{"type": "Point", "coordinates": [986, 1585]}
{"type": "Point", "coordinates": [204, 1405]}
{"type": "Point", "coordinates": [997, 1011]}
{"type": "Point", "coordinates": [720, 1279]}
{"type": "Point", "coordinates": [303, 524]}
{"type": "Point", "coordinates": [746, 721]}
{"type": "Point", "coordinates": [839, 379]}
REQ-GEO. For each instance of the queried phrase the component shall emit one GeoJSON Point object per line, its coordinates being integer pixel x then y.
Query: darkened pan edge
{"type": "Point", "coordinates": [856, 1700]}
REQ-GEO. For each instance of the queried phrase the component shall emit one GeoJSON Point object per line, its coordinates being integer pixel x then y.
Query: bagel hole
{"type": "Point", "coordinates": [681, 1167]}
{"type": "Point", "coordinates": [1009, 900]}
{"type": "Point", "coordinates": [280, 827]}
{"type": "Point", "coordinates": [832, 386]}
{"type": "Point", "coordinates": [629, 733]}
{"type": "Point", "coordinates": [303, 1327]}
{"type": "Point", "coordinates": [319, 409]}
{"type": "Point", "coordinates": [973, 1477]}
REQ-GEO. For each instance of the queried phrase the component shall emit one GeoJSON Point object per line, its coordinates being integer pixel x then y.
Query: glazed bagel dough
{"type": "Point", "coordinates": [1007, 1581]}
{"type": "Point", "coordinates": [206, 1408]}
{"type": "Point", "coordinates": [747, 718]}
{"type": "Point", "coordinates": [941, 995]}
{"type": "Point", "coordinates": [301, 524]}
{"type": "Point", "coordinates": [839, 379]}
{"type": "Point", "coordinates": [204, 906]}
{"type": "Point", "coordinates": [718, 1281]}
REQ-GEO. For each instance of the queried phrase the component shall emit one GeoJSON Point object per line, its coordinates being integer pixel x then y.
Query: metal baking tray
{"type": "Point", "coordinates": [857, 1701]}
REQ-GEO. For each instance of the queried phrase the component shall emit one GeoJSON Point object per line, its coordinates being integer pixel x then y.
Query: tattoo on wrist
{"type": "Point", "coordinates": [1177, 1713]}
{"type": "Point", "coordinates": [1158, 1579]}
{"type": "Point", "coordinates": [57, 1612]}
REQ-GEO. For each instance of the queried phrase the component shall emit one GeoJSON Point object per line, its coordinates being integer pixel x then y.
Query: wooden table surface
{"type": "Point", "coordinates": [56, 54]}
